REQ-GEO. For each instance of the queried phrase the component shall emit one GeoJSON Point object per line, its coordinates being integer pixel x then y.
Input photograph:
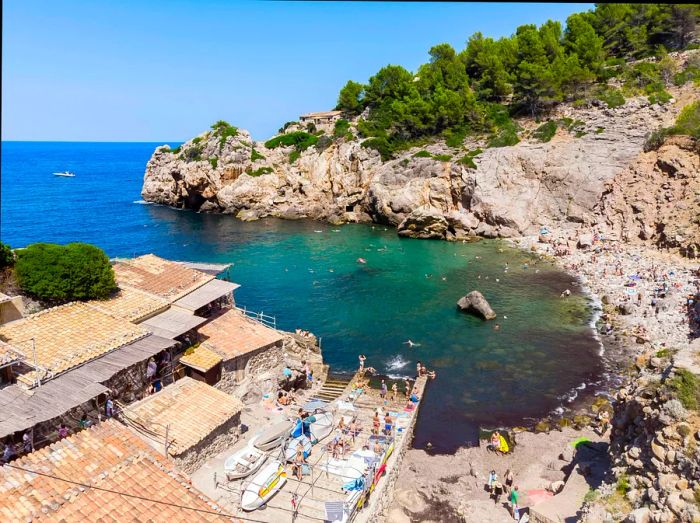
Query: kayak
{"type": "Point", "coordinates": [264, 485]}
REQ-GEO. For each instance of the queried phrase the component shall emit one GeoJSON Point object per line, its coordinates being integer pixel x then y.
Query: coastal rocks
{"type": "Point", "coordinates": [475, 303]}
{"type": "Point", "coordinates": [655, 199]}
{"type": "Point", "coordinates": [512, 191]}
{"type": "Point", "coordinates": [425, 222]}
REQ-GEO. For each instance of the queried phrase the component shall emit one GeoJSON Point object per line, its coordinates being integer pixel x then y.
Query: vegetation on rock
{"type": "Point", "coordinates": [467, 92]}
{"type": "Point", "coordinates": [7, 258]}
{"type": "Point", "coordinates": [687, 123]}
{"type": "Point", "coordinates": [62, 273]}
{"type": "Point", "coordinates": [223, 130]}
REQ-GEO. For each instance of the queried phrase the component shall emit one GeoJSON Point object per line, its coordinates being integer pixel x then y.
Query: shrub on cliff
{"type": "Point", "coordinates": [686, 386]}
{"type": "Point", "coordinates": [224, 130]}
{"type": "Point", "coordinates": [62, 273]}
{"type": "Point", "coordinates": [687, 123]}
{"type": "Point", "coordinates": [7, 258]}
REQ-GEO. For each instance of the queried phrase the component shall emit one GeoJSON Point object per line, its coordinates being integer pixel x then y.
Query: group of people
{"type": "Point", "coordinates": [497, 489]}
{"type": "Point", "coordinates": [156, 371]}
{"type": "Point", "coordinates": [498, 443]}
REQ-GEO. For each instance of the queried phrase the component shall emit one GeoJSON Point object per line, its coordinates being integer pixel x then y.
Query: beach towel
{"type": "Point", "coordinates": [503, 444]}
{"type": "Point", "coordinates": [355, 484]}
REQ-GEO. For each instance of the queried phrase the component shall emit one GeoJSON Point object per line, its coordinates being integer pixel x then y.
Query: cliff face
{"type": "Point", "coordinates": [657, 199]}
{"type": "Point", "coordinates": [512, 191]}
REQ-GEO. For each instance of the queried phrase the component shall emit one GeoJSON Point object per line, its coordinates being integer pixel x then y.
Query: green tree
{"type": "Point", "coordinates": [350, 98]}
{"type": "Point", "coordinates": [62, 273]}
{"type": "Point", "coordinates": [7, 258]}
{"type": "Point", "coordinates": [581, 40]}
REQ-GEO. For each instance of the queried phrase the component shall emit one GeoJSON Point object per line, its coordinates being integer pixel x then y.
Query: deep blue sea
{"type": "Point", "coordinates": [305, 273]}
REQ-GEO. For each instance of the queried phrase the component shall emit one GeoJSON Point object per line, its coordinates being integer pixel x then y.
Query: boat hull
{"type": "Point", "coordinates": [263, 486]}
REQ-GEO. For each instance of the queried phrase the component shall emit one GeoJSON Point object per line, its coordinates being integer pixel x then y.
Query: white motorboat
{"type": "Point", "coordinates": [290, 451]}
{"type": "Point", "coordinates": [321, 427]}
{"type": "Point", "coordinates": [273, 436]}
{"type": "Point", "coordinates": [244, 462]}
{"type": "Point", "coordinates": [264, 485]}
{"type": "Point", "coordinates": [65, 173]}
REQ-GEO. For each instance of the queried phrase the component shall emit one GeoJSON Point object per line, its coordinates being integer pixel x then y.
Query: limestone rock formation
{"type": "Point", "coordinates": [475, 303]}
{"type": "Point", "coordinates": [424, 222]}
{"type": "Point", "coordinates": [656, 200]}
{"type": "Point", "coordinates": [512, 191]}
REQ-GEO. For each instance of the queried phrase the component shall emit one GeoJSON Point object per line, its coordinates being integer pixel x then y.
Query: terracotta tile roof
{"type": "Point", "coordinates": [68, 336]}
{"type": "Point", "coordinates": [132, 304]}
{"type": "Point", "coordinates": [201, 359]}
{"type": "Point", "coordinates": [108, 456]}
{"type": "Point", "coordinates": [233, 334]}
{"type": "Point", "coordinates": [166, 279]}
{"type": "Point", "coordinates": [191, 408]}
{"type": "Point", "coordinates": [7, 353]}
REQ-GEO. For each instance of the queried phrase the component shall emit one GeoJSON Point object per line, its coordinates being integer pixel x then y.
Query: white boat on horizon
{"type": "Point", "coordinates": [67, 174]}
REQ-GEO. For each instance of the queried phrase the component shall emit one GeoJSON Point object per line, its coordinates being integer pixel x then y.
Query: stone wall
{"type": "Point", "coordinates": [220, 439]}
{"type": "Point", "coordinates": [383, 494]}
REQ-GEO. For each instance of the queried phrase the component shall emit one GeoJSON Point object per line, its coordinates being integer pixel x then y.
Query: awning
{"type": "Point", "coordinates": [207, 293]}
{"type": "Point", "coordinates": [172, 323]}
{"type": "Point", "coordinates": [21, 410]}
{"type": "Point", "coordinates": [201, 359]}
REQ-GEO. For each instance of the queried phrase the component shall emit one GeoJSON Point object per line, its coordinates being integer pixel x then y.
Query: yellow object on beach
{"type": "Point", "coordinates": [503, 444]}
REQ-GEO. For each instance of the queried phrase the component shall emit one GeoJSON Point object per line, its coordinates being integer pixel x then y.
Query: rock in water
{"type": "Point", "coordinates": [475, 303]}
{"type": "Point", "coordinates": [425, 222]}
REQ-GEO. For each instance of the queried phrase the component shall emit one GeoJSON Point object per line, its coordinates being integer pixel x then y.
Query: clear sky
{"type": "Point", "coordinates": [99, 70]}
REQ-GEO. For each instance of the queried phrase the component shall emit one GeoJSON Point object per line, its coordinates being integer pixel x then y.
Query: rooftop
{"type": "Point", "coordinates": [321, 114]}
{"type": "Point", "coordinates": [132, 304]}
{"type": "Point", "coordinates": [108, 456]}
{"type": "Point", "coordinates": [201, 359]}
{"type": "Point", "coordinates": [233, 334]}
{"type": "Point", "coordinates": [191, 409]}
{"type": "Point", "coordinates": [166, 279]}
{"type": "Point", "coordinates": [67, 336]}
{"type": "Point", "coordinates": [8, 354]}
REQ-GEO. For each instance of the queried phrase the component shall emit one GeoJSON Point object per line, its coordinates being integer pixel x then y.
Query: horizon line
{"type": "Point", "coordinates": [91, 141]}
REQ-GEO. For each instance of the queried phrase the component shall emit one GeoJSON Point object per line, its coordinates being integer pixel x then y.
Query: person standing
{"type": "Point", "coordinates": [382, 392]}
{"type": "Point", "coordinates": [394, 391]}
{"type": "Point", "coordinates": [362, 359]}
{"type": "Point", "coordinates": [109, 408]}
{"type": "Point", "coordinates": [508, 478]}
{"type": "Point", "coordinates": [27, 444]}
{"type": "Point", "coordinates": [514, 497]}
{"type": "Point", "coordinates": [497, 491]}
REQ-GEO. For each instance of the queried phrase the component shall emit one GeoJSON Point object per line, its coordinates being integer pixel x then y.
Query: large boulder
{"type": "Point", "coordinates": [475, 303]}
{"type": "Point", "coordinates": [425, 222]}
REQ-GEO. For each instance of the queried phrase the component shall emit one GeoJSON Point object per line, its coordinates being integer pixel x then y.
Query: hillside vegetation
{"type": "Point", "coordinates": [477, 90]}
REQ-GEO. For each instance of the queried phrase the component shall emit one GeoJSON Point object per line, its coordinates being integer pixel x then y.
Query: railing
{"type": "Point", "coordinates": [261, 317]}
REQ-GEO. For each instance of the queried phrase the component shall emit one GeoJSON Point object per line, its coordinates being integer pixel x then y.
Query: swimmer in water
{"type": "Point", "coordinates": [411, 343]}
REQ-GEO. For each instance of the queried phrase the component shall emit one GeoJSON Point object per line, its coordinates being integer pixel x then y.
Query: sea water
{"type": "Point", "coordinates": [306, 274]}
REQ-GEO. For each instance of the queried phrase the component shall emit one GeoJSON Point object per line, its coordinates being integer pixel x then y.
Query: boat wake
{"type": "Point", "coordinates": [142, 202]}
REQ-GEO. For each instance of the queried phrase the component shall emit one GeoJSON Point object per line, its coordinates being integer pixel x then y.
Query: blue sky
{"type": "Point", "coordinates": [155, 71]}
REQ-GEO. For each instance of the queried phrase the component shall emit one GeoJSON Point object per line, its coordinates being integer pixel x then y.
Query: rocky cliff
{"type": "Point", "coordinates": [506, 192]}
{"type": "Point", "coordinates": [655, 474]}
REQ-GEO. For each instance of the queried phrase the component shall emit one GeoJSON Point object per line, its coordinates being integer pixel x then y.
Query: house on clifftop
{"type": "Point", "coordinates": [321, 119]}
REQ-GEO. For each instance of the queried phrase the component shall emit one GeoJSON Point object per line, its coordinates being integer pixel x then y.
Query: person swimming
{"type": "Point", "coordinates": [411, 343]}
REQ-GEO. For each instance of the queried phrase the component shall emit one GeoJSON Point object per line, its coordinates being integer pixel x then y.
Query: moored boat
{"type": "Point", "coordinates": [67, 174]}
{"type": "Point", "coordinates": [264, 485]}
{"type": "Point", "coordinates": [273, 436]}
{"type": "Point", "coordinates": [290, 449]}
{"type": "Point", "coordinates": [244, 462]}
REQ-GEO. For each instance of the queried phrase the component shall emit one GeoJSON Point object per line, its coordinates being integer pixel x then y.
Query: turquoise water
{"type": "Point", "coordinates": [306, 274]}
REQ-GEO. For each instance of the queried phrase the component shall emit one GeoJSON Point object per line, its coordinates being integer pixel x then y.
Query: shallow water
{"type": "Point", "coordinates": [306, 274]}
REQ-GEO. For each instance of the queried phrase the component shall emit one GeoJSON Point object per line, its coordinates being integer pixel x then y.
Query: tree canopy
{"type": "Point", "coordinates": [63, 273]}
{"type": "Point", "coordinates": [7, 258]}
{"type": "Point", "coordinates": [537, 67]}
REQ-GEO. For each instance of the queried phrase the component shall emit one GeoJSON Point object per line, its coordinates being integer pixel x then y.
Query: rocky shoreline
{"type": "Point", "coordinates": [633, 334]}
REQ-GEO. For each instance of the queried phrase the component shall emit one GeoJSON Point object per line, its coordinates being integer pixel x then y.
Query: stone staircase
{"type": "Point", "coordinates": [333, 387]}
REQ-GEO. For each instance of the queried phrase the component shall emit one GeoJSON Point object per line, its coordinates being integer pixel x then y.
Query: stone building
{"type": "Point", "coordinates": [66, 361]}
{"type": "Point", "coordinates": [321, 119]}
{"type": "Point", "coordinates": [114, 459]}
{"type": "Point", "coordinates": [189, 420]}
{"type": "Point", "coordinates": [247, 347]}
{"type": "Point", "coordinates": [11, 308]}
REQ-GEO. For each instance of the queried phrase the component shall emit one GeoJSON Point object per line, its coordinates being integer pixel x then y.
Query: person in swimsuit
{"type": "Point", "coordinates": [387, 424]}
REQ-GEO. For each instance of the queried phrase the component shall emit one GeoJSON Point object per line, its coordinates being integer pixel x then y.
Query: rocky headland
{"type": "Point", "coordinates": [436, 191]}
